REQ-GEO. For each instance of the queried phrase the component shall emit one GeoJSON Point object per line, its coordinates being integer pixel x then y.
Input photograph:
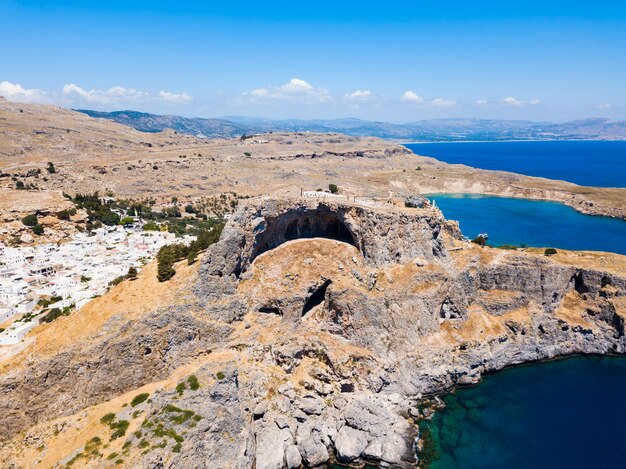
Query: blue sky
{"type": "Point", "coordinates": [395, 61]}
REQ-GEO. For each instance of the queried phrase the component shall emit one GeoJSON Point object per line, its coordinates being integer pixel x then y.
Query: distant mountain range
{"type": "Point", "coordinates": [433, 130]}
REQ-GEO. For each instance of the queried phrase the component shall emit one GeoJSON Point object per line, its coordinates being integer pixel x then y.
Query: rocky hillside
{"type": "Point", "coordinates": [156, 123]}
{"type": "Point", "coordinates": [434, 130]}
{"type": "Point", "coordinates": [311, 332]}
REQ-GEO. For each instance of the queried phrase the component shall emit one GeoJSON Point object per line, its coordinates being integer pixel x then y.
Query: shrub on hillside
{"type": "Point", "coordinates": [480, 240]}
{"type": "Point", "coordinates": [191, 257]}
{"type": "Point", "coordinates": [37, 229]}
{"type": "Point", "coordinates": [333, 188]}
{"type": "Point", "coordinates": [550, 252]}
{"type": "Point", "coordinates": [63, 215]}
{"type": "Point", "coordinates": [30, 220]}
{"type": "Point", "coordinates": [139, 398]}
{"type": "Point", "coordinates": [194, 384]}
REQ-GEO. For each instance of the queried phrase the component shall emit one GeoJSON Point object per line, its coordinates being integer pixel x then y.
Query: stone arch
{"type": "Point", "coordinates": [298, 224]}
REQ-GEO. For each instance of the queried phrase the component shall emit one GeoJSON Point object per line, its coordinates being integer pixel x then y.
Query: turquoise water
{"type": "Point", "coordinates": [564, 414]}
{"type": "Point", "coordinates": [600, 164]}
{"type": "Point", "coordinates": [534, 223]}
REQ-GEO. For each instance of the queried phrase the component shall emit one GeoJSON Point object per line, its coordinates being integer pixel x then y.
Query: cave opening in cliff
{"type": "Point", "coordinates": [293, 225]}
{"type": "Point", "coordinates": [316, 297]}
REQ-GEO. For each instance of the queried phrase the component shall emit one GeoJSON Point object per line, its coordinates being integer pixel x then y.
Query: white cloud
{"type": "Point", "coordinates": [511, 101]}
{"type": "Point", "coordinates": [411, 97]}
{"type": "Point", "coordinates": [482, 102]}
{"type": "Point", "coordinates": [72, 94]}
{"type": "Point", "coordinates": [295, 90]}
{"type": "Point", "coordinates": [359, 95]}
{"type": "Point", "coordinates": [16, 92]}
{"type": "Point", "coordinates": [174, 97]}
{"type": "Point", "coordinates": [114, 95]}
{"type": "Point", "coordinates": [441, 102]}
{"type": "Point", "coordinates": [296, 85]}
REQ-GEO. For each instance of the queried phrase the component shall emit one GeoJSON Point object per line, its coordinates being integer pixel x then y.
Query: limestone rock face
{"type": "Point", "coordinates": [313, 442]}
{"type": "Point", "coordinates": [127, 356]}
{"type": "Point", "coordinates": [381, 236]}
{"type": "Point", "coordinates": [315, 328]}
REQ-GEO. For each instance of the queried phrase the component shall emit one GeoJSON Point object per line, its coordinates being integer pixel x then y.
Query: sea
{"type": "Point", "coordinates": [522, 222]}
{"type": "Point", "coordinates": [587, 163]}
{"type": "Point", "coordinates": [536, 223]}
{"type": "Point", "coordinates": [569, 413]}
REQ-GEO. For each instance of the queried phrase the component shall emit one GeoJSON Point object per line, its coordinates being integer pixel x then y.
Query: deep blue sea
{"type": "Point", "coordinates": [586, 163]}
{"type": "Point", "coordinates": [531, 222]}
{"type": "Point", "coordinates": [563, 414]}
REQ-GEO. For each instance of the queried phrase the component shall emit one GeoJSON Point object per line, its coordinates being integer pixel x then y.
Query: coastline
{"type": "Point", "coordinates": [438, 177]}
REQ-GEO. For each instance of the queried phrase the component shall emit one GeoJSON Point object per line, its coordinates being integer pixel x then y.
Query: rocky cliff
{"type": "Point", "coordinates": [314, 329]}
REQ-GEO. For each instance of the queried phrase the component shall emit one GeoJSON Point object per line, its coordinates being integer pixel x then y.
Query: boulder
{"type": "Point", "coordinates": [271, 444]}
{"type": "Point", "coordinates": [350, 443]}
{"type": "Point", "coordinates": [312, 442]}
{"type": "Point", "coordinates": [293, 457]}
{"type": "Point", "coordinates": [312, 405]}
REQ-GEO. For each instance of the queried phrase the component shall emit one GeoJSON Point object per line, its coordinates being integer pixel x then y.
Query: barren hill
{"type": "Point", "coordinates": [96, 154]}
{"type": "Point", "coordinates": [32, 134]}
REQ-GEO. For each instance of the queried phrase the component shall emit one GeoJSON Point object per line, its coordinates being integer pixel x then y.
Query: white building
{"type": "Point", "coordinates": [76, 271]}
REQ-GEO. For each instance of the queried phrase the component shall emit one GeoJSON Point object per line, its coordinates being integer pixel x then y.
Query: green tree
{"type": "Point", "coordinates": [132, 272]}
{"type": "Point", "coordinates": [109, 218]}
{"type": "Point", "coordinates": [333, 188]}
{"type": "Point", "coordinates": [37, 229]}
{"type": "Point", "coordinates": [53, 314]}
{"type": "Point", "coordinates": [51, 169]}
{"type": "Point", "coordinates": [191, 258]}
{"type": "Point", "coordinates": [165, 271]}
{"type": "Point", "coordinates": [550, 252]}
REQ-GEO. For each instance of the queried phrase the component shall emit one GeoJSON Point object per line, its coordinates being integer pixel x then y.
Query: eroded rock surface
{"type": "Point", "coordinates": [324, 337]}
